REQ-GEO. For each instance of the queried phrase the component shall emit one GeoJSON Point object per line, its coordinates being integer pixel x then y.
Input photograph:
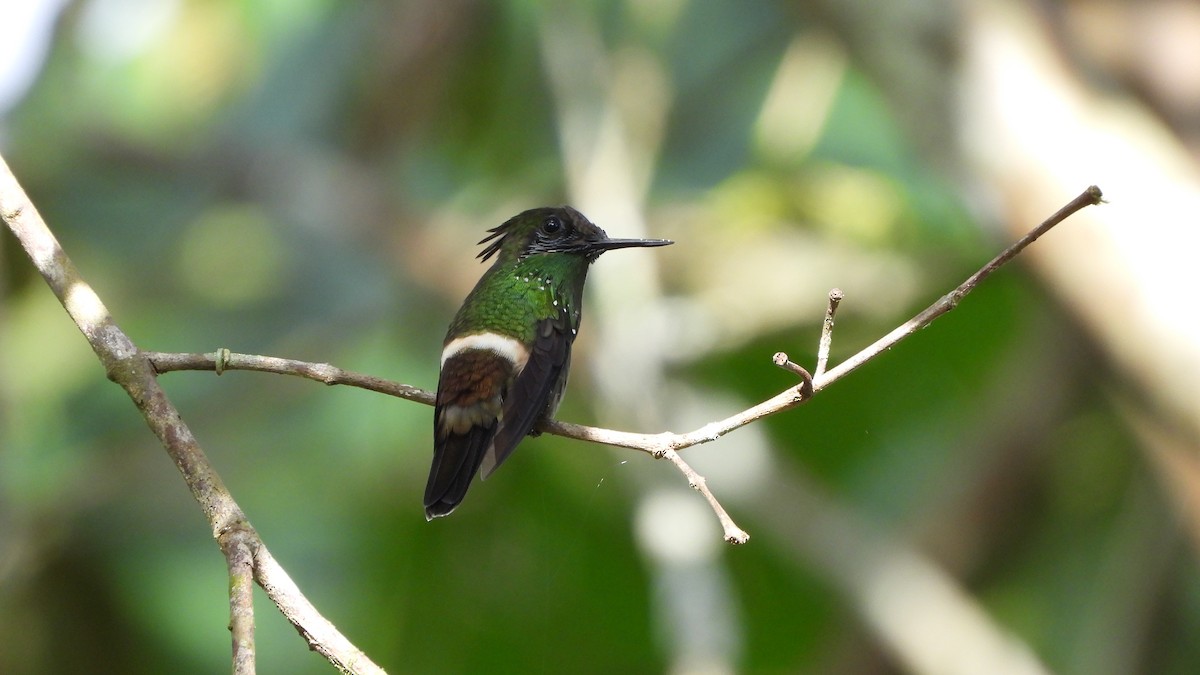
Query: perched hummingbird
{"type": "Point", "coordinates": [507, 351]}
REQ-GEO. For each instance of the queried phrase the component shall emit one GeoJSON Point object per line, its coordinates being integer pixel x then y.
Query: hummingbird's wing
{"type": "Point", "coordinates": [536, 390]}
{"type": "Point", "coordinates": [469, 399]}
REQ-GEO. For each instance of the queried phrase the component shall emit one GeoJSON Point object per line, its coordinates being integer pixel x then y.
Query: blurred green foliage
{"type": "Point", "coordinates": [307, 179]}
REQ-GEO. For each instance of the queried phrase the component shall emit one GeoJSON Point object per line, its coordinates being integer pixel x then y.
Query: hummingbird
{"type": "Point", "coordinates": [507, 351]}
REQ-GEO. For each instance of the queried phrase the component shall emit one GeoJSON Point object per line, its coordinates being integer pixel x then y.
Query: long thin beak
{"type": "Point", "coordinates": [610, 244]}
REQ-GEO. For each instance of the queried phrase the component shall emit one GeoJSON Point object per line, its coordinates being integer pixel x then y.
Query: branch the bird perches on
{"type": "Point", "coordinates": [137, 371]}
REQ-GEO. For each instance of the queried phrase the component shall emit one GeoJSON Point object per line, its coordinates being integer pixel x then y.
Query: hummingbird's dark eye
{"type": "Point", "coordinates": [551, 225]}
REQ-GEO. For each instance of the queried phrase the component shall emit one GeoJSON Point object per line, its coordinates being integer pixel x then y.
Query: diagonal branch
{"type": "Point", "coordinates": [131, 368]}
{"type": "Point", "coordinates": [1089, 197]}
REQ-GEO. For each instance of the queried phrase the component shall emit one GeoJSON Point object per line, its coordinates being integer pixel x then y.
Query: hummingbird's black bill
{"type": "Point", "coordinates": [610, 244]}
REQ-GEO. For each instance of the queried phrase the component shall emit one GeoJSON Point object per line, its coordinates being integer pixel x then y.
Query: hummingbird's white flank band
{"type": "Point", "coordinates": [508, 347]}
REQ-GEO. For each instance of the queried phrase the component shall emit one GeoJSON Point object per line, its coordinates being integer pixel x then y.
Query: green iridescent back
{"type": "Point", "coordinates": [512, 296]}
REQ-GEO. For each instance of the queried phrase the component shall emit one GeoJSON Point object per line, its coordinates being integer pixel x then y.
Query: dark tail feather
{"type": "Point", "coordinates": [456, 460]}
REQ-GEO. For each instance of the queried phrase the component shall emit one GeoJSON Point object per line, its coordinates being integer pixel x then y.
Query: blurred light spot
{"type": "Point", "coordinates": [677, 527]}
{"type": "Point", "coordinates": [950, 633]}
{"type": "Point", "coordinates": [693, 601]}
{"type": "Point", "coordinates": [743, 283]}
{"type": "Point", "coordinates": [232, 257]}
{"type": "Point", "coordinates": [752, 200]}
{"type": "Point", "coordinates": [1168, 39]}
{"type": "Point", "coordinates": [800, 98]}
{"type": "Point", "coordinates": [118, 30]}
{"type": "Point", "coordinates": [158, 69]}
{"type": "Point", "coordinates": [657, 15]}
{"type": "Point", "coordinates": [641, 92]}
{"type": "Point", "coordinates": [28, 27]}
{"type": "Point", "coordinates": [856, 204]}
{"type": "Point", "coordinates": [35, 326]}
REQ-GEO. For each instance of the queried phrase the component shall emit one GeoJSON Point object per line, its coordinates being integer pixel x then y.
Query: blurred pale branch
{"type": "Point", "coordinates": [1127, 274]}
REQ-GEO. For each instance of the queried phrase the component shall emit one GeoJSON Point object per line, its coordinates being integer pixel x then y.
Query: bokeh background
{"type": "Point", "coordinates": [1013, 490]}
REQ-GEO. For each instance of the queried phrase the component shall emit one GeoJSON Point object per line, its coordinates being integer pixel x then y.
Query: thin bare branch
{"type": "Point", "coordinates": [666, 444]}
{"type": "Point", "coordinates": [130, 368]}
{"type": "Point", "coordinates": [732, 533]}
{"type": "Point", "coordinates": [1089, 197]}
{"type": "Point", "coordinates": [224, 360]}
{"type": "Point", "coordinates": [237, 545]}
{"type": "Point", "coordinates": [826, 341]}
{"type": "Point", "coordinates": [322, 635]}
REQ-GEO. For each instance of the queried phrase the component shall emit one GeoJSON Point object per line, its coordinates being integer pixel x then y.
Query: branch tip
{"type": "Point", "coordinates": [737, 537]}
{"type": "Point", "coordinates": [826, 341]}
{"type": "Point", "coordinates": [806, 379]}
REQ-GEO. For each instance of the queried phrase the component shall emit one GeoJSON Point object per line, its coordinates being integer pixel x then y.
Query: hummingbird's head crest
{"type": "Point", "coordinates": [559, 229]}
